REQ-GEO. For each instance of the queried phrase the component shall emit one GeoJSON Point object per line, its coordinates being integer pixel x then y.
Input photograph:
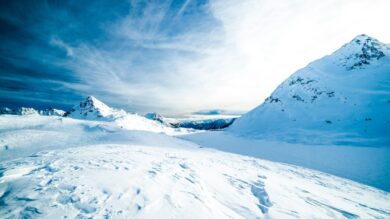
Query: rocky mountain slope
{"type": "Point", "coordinates": [207, 124]}
{"type": "Point", "coordinates": [196, 122]}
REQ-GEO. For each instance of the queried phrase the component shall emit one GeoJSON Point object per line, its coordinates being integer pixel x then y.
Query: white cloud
{"type": "Point", "coordinates": [60, 44]}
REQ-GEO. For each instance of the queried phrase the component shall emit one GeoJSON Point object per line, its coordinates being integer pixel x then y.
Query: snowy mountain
{"type": "Point", "coordinates": [93, 109]}
{"type": "Point", "coordinates": [19, 111]}
{"type": "Point", "coordinates": [342, 98]}
{"type": "Point", "coordinates": [58, 167]}
{"type": "Point", "coordinates": [31, 111]}
{"type": "Point", "coordinates": [52, 112]}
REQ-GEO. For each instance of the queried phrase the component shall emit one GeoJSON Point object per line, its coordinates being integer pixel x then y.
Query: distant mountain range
{"type": "Point", "coordinates": [30, 111]}
{"type": "Point", "coordinates": [93, 109]}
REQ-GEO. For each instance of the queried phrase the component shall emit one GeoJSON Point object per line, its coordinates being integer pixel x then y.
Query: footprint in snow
{"type": "Point", "coordinates": [259, 192]}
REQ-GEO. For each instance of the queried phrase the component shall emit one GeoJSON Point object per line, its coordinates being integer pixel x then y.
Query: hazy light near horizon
{"type": "Point", "coordinates": [253, 48]}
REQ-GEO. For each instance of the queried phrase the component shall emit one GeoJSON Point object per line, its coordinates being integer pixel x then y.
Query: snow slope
{"type": "Point", "coordinates": [365, 164]}
{"type": "Point", "coordinates": [91, 169]}
{"type": "Point", "coordinates": [24, 135]}
{"type": "Point", "coordinates": [343, 98]}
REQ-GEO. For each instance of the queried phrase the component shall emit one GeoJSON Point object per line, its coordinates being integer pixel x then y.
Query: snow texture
{"type": "Point", "coordinates": [85, 168]}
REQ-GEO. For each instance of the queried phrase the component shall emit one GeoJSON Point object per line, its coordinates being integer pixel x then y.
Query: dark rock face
{"type": "Point", "coordinates": [208, 124]}
{"type": "Point", "coordinates": [368, 50]}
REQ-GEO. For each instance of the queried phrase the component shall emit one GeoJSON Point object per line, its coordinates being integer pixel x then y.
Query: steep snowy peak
{"type": "Point", "coordinates": [336, 95]}
{"type": "Point", "coordinates": [361, 51]}
{"type": "Point", "coordinates": [92, 108]}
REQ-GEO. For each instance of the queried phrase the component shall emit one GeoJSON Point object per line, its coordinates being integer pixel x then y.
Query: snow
{"type": "Point", "coordinates": [86, 168]}
{"type": "Point", "coordinates": [342, 99]}
{"type": "Point", "coordinates": [368, 165]}
{"type": "Point", "coordinates": [24, 135]}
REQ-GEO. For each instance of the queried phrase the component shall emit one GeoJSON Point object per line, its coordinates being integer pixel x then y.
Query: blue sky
{"type": "Point", "coordinates": [169, 56]}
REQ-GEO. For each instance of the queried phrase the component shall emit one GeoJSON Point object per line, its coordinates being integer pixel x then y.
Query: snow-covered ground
{"type": "Point", "coordinates": [24, 135]}
{"type": "Point", "coordinates": [54, 167]}
{"type": "Point", "coordinates": [368, 165]}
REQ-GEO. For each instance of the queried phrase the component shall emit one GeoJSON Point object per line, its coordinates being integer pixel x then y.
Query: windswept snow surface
{"type": "Point", "coordinates": [368, 165]}
{"type": "Point", "coordinates": [23, 135]}
{"type": "Point", "coordinates": [84, 169]}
